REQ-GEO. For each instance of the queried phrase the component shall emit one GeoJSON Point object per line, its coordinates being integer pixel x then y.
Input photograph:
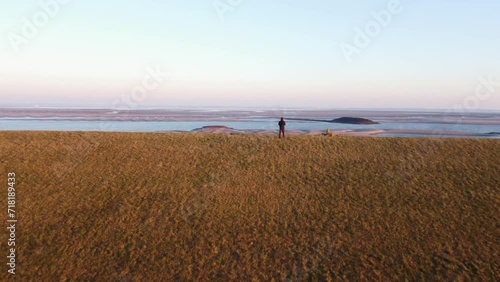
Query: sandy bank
{"type": "Point", "coordinates": [365, 133]}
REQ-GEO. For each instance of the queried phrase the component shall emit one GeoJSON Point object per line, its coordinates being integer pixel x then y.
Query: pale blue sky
{"type": "Point", "coordinates": [281, 53]}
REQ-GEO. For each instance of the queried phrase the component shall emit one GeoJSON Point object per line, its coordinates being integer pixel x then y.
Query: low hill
{"type": "Point", "coordinates": [348, 120]}
{"type": "Point", "coordinates": [215, 129]}
{"type": "Point", "coordinates": [354, 120]}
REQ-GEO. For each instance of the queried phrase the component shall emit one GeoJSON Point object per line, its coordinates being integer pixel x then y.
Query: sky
{"type": "Point", "coordinates": [397, 54]}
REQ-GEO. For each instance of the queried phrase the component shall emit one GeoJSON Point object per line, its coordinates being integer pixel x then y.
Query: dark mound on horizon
{"type": "Point", "coordinates": [354, 120]}
{"type": "Point", "coordinates": [347, 120]}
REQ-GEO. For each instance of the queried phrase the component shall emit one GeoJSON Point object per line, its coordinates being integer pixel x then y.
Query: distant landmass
{"type": "Point", "coordinates": [354, 120]}
{"type": "Point", "coordinates": [347, 120]}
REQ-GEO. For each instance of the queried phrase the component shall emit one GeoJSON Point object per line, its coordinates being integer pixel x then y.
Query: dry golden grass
{"type": "Point", "coordinates": [201, 207]}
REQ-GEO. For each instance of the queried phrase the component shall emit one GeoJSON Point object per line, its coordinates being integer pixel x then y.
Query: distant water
{"type": "Point", "coordinates": [154, 126]}
{"type": "Point", "coordinates": [262, 124]}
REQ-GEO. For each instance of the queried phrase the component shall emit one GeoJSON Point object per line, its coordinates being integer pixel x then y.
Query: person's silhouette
{"type": "Point", "coordinates": [282, 124]}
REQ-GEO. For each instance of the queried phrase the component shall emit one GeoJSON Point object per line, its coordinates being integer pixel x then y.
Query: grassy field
{"type": "Point", "coordinates": [205, 207]}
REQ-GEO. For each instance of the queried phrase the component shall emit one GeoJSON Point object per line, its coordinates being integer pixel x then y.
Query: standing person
{"type": "Point", "coordinates": [282, 124]}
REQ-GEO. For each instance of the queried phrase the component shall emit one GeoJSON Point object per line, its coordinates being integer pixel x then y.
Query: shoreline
{"type": "Point", "coordinates": [375, 133]}
{"type": "Point", "coordinates": [349, 132]}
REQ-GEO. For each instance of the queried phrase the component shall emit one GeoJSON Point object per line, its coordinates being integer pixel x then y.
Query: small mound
{"type": "Point", "coordinates": [354, 120]}
{"type": "Point", "coordinates": [215, 129]}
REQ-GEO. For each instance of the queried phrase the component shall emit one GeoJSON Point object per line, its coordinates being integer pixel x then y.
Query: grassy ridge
{"type": "Point", "coordinates": [103, 206]}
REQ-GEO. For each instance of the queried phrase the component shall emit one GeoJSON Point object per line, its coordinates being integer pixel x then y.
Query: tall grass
{"type": "Point", "coordinates": [142, 206]}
